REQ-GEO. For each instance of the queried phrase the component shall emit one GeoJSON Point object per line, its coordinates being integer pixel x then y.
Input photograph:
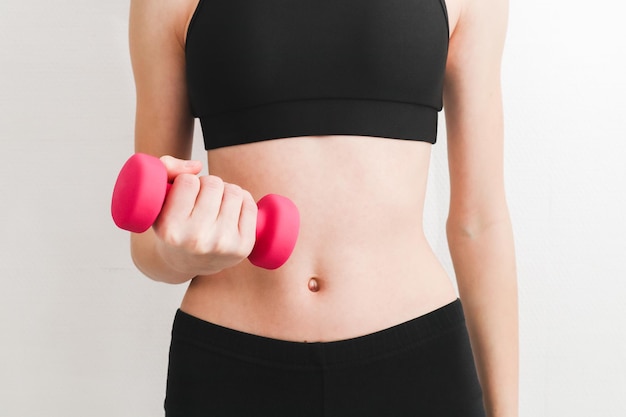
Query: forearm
{"type": "Point", "coordinates": [148, 260]}
{"type": "Point", "coordinates": [484, 262]}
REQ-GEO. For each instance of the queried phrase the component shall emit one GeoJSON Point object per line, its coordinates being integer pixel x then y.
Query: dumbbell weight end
{"type": "Point", "coordinates": [139, 193]}
{"type": "Point", "coordinates": [278, 223]}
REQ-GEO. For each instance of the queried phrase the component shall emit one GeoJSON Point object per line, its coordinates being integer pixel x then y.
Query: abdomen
{"type": "Point", "coordinates": [361, 203]}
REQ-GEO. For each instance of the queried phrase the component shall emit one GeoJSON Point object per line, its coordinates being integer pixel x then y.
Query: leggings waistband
{"type": "Point", "coordinates": [246, 346]}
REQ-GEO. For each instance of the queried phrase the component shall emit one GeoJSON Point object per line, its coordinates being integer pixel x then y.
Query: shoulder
{"type": "Point", "coordinates": [469, 17]}
{"type": "Point", "coordinates": [160, 20]}
{"type": "Point", "coordinates": [476, 42]}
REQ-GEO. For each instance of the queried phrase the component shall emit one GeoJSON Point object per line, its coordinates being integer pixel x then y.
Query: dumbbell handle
{"type": "Point", "coordinates": [141, 189]}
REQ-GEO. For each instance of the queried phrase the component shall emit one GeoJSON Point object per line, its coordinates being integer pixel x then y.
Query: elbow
{"type": "Point", "coordinates": [471, 227]}
{"type": "Point", "coordinates": [137, 256]}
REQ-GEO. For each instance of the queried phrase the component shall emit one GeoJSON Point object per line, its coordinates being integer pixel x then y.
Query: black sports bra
{"type": "Point", "coordinates": [267, 69]}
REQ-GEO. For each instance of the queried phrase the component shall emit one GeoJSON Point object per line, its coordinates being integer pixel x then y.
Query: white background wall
{"type": "Point", "coordinates": [82, 333]}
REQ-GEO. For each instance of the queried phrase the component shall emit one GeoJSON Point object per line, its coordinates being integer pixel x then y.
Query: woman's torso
{"type": "Point", "coordinates": [361, 203]}
{"type": "Point", "coordinates": [361, 239]}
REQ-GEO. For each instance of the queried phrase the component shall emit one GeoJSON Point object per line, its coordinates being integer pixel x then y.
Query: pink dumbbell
{"type": "Point", "coordinates": [140, 192]}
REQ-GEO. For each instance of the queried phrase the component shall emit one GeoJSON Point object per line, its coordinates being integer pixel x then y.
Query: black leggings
{"type": "Point", "coordinates": [423, 368]}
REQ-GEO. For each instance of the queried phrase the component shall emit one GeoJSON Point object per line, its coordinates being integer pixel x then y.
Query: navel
{"type": "Point", "coordinates": [314, 285]}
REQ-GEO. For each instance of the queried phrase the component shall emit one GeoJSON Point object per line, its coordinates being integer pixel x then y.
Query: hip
{"type": "Point", "coordinates": [420, 367]}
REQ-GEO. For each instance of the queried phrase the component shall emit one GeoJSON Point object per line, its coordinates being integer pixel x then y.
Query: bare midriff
{"type": "Point", "coordinates": [361, 263]}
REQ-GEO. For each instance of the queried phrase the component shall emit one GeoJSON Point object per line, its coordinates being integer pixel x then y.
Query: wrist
{"type": "Point", "coordinates": [182, 264]}
{"type": "Point", "coordinates": [148, 260]}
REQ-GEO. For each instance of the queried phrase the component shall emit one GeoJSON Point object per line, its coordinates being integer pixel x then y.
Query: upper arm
{"type": "Point", "coordinates": [163, 123]}
{"type": "Point", "coordinates": [473, 109]}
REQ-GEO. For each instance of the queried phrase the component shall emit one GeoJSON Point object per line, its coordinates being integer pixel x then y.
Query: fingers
{"type": "Point", "coordinates": [230, 209]}
{"type": "Point", "coordinates": [248, 221]}
{"type": "Point", "coordinates": [209, 198]}
{"type": "Point", "coordinates": [176, 167]}
{"type": "Point", "coordinates": [238, 218]}
{"type": "Point", "coordinates": [206, 216]}
{"type": "Point", "coordinates": [228, 205]}
{"type": "Point", "coordinates": [180, 201]}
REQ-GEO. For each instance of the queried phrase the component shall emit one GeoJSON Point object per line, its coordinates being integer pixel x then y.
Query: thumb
{"type": "Point", "coordinates": [175, 166]}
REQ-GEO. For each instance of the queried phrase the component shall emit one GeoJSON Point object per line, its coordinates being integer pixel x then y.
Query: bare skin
{"type": "Point", "coordinates": [373, 269]}
{"type": "Point", "coordinates": [362, 262]}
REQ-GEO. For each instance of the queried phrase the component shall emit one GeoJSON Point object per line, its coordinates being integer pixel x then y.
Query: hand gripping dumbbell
{"type": "Point", "coordinates": [140, 192]}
